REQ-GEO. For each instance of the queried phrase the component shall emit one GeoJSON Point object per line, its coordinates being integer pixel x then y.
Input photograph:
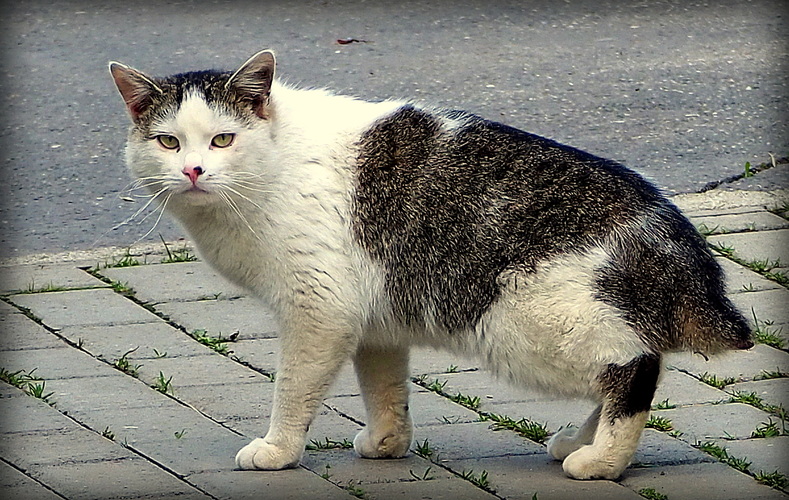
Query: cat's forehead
{"type": "Point", "coordinates": [194, 110]}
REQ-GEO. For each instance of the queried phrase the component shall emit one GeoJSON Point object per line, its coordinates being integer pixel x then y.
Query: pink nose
{"type": "Point", "coordinates": [193, 173]}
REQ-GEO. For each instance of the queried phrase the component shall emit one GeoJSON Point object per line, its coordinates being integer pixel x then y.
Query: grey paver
{"type": "Point", "coordinates": [84, 307]}
{"type": "Point", "coordinates": [659, 449]}
{"type": "Point", "coordinates": [682, 389]}
{"type": "Point", "coordinates": [107, 479]}
{"type": "Point", "coordinates": [765, 454]}
{"type": "Point", "coordinates": [20, 332]}
{"type": "Point", "coordinates": [260, 353]}
{"type": "Point", "coordinates": [740, 279]}
{"type": "Point", "coordinates": [293, 484]}
{"type": "Point", "coordinates": [767, 305]}
{"type": "Point", "coordinates": [699, 482]}
{"type": "Point", "coordinates": [472, 440]}
{"type": "Point", "coordinates": [37, 277]}
{"type": "Point", "coordinates": [522, 476]}
{"type": "Point", "coordinates": [148, 340]}
{"type": "Point", "coordinates": [757, 246]}
{"type": "Point", "coordinates": [551, 412]}
{"type": "Point", "coordinates": [740, 365]}
{"type": "Point", "coordinates": [210, 368]}
{"type": "Point", "coordinates": [14, 484]}
{"type": "Point", "coordinates": [244, 315]}
{"type": "Point", "coordinates": [184, 281]}
{"type": "Point", "coordinates": [702, 423]}
{"type": "Point", "coordinates": [55, 363]}
{"type": "Point", "coordinates": [772, 391]}
{"type": "Point", "coordinates": [759, 220]}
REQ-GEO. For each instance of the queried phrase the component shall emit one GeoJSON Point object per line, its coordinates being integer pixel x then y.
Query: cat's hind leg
{"type": "Point", "coordinates": [569, 439]}
{"type": "Point", "coordinates": [627, 395]}
{"type": "Point", "coordinates": [383, 378]}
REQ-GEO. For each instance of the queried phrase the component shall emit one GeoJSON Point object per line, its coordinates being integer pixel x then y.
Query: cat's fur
{"type": "Point", "coordinates": [372, 227]}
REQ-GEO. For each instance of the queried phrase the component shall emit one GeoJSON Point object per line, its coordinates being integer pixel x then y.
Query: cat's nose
{"type": "Point", "coordinates": [193, 172]}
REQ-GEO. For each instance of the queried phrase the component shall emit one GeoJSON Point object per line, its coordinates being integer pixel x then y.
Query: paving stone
{"type": "Point", "coordinates": [229, 402]}
{"type": "Point", "coordinates": [209, 369]}
{"type": "Point", "coordinates": [485, 386]}
{"type": "Point", "coordinates": [702, 423]}
{"type": "Point", "coordinates": [772, 391]}
{"type": "Point", "coordinates": [245, 315]}
{"type": "Point", "coordinates": [84, 307]}
{"type": "Point", "coordinates": [344, 465]}
{"type": "Point", "coordinates": [520, 477]}
{"type": "Point", "coordinates": [73, 444]}
{"type": "Point", "coordinates": [682, 389]}
{"type": "Point", "coordinates": [175, 282]}
{"type": "Point", "coordinates": [45, 277]}
{"type": "Point", "coordinates": [112, 391]}
{"type": "Point", "coordinates": [431, 361]}
{"type": "Point", "coordinates": [17, 486]}
{"type": "Point", "coordinates": [433, 489]}
{"type": "Point", "coordinates": [756, 246]}
{"type": "Point", "coordinates": [260, 353]}
{"type": "Point", "coordinates": [765, 454]}
{"type": "Point", "coordinates": [553, 413]}
{"type": "Point", "coordinates": [699, 482]}
{"type": "Point", "coordinates": [740, 279]}
{"type": "Point", "coordinates": [17, 332]}
{"type": "Point", "coordinates": [768, 305]}
{"type": "Point", "coordinates": [292, 484]}
{"type": "Point", "coordinates": [200, 448]}
{"type": "Point", "coordinates": [6, 309]}
{"type": "Point", "coordinates": [55, 363]}
{"type": "Point", "coordinates": [740, 365]}
{"type": "Point", "coordinates": [739, 222]}
{"type": "Point", "coordinates": [426, 409]}
{"type": "Point", "coordinates": [472, 440]}
{"type": "Point", "coordinates": [659, 449]}
{"type": "Point", "coordinates": [110, 479]}
{"type": "Point", "coordinates": [112, 342]}
{"type": "Point", "coordinates": [23, 413]}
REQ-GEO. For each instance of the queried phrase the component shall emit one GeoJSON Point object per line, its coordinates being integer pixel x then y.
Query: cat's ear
{"type": "Point", "coordinates": [136, 89]}
{"type": "Point", "coordinates": [252, 81]}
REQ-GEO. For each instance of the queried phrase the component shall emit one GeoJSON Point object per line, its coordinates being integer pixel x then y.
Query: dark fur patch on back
{"type": "Point", "coordinates": [447, 211]}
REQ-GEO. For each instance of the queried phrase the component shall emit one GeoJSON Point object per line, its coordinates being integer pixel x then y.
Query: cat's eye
{"type": "Point", "coordinates": [223, 140]}
{"type": "Point", "coordinates": [168, 141]}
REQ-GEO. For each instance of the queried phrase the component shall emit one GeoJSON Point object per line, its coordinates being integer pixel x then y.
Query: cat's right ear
{"type": "Point", "coordinates": [136, 89]}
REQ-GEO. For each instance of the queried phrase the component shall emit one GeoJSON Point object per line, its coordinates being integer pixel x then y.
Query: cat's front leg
{"type": "Point", "coordinates": [308, 363]}
{"type": "Point", "coordinates": [627, 391]}
{"type": "Point", "coordinates": [383, 378]}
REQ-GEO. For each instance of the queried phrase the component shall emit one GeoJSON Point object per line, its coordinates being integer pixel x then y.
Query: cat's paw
{"type": "Point", "coordinates": [371, 445]}
{"type": "Point", "coordinates": [589, 462]}
{"type": "Point", "coordinates": [262, 455]}
{"type": "Point", "coordinates": [564, 442]}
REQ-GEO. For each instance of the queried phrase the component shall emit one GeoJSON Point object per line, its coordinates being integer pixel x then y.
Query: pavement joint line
{"type": "Point", "coordinates": [750, 172]}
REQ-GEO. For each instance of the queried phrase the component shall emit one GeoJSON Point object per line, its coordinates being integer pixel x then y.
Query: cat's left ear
{"type": "Point", "coordinates": [136, 89]}
{"type": "Point", "coordinates": [252, 81]}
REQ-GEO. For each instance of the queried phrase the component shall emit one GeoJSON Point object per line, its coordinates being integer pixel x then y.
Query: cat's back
{"type": "Point", "coordinates": [449, 202]}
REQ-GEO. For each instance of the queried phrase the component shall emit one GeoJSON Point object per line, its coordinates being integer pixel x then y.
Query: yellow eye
{"type": "Point", "coordinates": [168, 141]}
{"type": "Point", "coordinates": [223, 140]}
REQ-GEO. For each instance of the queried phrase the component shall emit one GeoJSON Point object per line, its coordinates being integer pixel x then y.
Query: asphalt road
{"type": "Point", "coordinates": [684, 92]}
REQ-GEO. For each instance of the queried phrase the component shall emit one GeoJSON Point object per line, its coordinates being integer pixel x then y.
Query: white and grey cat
{"type": "Point", "coordinates": [369, 228]}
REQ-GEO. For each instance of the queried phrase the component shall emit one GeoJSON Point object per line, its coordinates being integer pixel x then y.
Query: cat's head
{"type": "Point", "coordinates": [193, 134]}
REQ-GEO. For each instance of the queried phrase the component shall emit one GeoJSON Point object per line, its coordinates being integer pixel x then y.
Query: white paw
{"type": "Point", "coordinates": [563, 443]}
{"type": "Point", "coordinates": [589, 463]}
{"type": "Point", "coordinates": [261, 455]}
{"type": "Point", "coordinates": [390, 445]}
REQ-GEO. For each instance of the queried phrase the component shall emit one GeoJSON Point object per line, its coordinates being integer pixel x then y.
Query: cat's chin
{"type": "Point", "coordinates": [196, 196]}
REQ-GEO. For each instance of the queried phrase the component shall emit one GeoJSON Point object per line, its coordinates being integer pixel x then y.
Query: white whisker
{"type": "Point", "coordinates": [242, 196]}
{"type": "Point", "coordinates": [237, 211]}
{"type": "Point", "coordinates": [163, 206]}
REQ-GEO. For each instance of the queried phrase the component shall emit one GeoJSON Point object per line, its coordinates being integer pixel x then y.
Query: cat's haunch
{"type": "Point", "coordinates": [369, 228]}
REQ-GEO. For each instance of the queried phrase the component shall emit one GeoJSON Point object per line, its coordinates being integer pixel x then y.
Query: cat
{"type": "Point", "coordinates": [369, 228]}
